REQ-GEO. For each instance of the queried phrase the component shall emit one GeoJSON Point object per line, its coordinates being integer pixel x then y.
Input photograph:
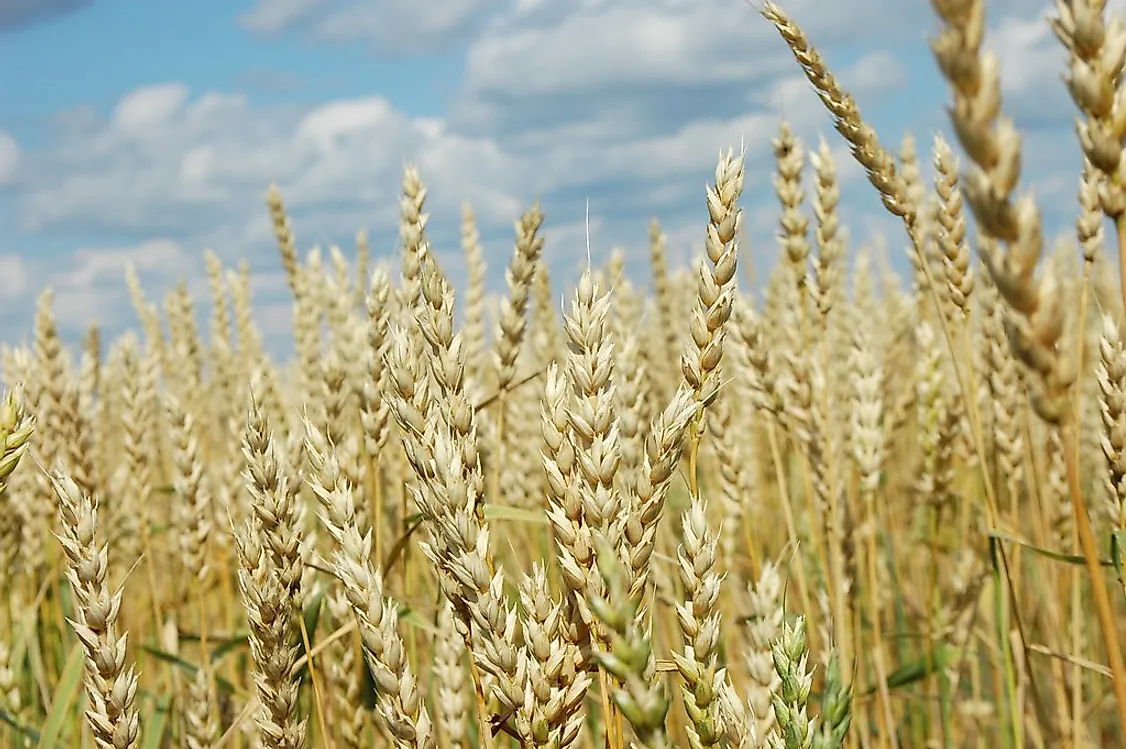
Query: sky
{"type": "Point", "coordinates": [146, 133]}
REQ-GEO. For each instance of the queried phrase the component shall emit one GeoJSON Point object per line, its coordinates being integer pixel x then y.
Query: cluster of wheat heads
{"type": "Point", "coordinates": [849, 513]}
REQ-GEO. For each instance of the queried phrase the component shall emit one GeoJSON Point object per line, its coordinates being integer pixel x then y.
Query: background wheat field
{"type": "Point", "coordinates": [825, 507]}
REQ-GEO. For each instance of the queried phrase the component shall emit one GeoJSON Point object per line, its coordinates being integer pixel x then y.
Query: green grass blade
{"type": "Point", "coordinates": [155, 724]}
{"type": "Point", "coordinates": [1073, 559]}
{"type": "Point", "coordinates": [191, 669]}
{"type": "Point", "coordinates": [515, 514]}
{"type": "Point", "coordinates": [69, 683]}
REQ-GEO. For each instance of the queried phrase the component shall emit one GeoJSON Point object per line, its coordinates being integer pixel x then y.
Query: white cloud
{"type": "Point", "coordinates": [272, 16]}
{"type": "Point", "coordinates": [209, 164]}
{"type": "Point", "coordinates": [89, 283]}
{"type": "Point", "coordinates": [659, 46]}
{"type": "Point", "coordinates": [9, 157]}
{"type": "Point", "coordinates": [93, 289]}
{"type": "Point", "coordinates": [596, 44]}
{"type": "Point", "coordinates": [877, 71]}
{"type": "Point", "coordinates": [169, 159]}
{"type": "Point", "coordinates": [195, 167]}
{"type": "Point", "coordinates": [397, 25]}
{"type": "Point", "coordinates": [148, 107]}
{"type": "Point", "coordinates": [624, 103]}
{"type": "Point", "coordinates": [390, 26]}
{"type": "Point", "coordinates": [144, 171]}
{"type": "Point", "coordinates": [91, 267]}
{"type": "Point", "coordinates": [13, 276]}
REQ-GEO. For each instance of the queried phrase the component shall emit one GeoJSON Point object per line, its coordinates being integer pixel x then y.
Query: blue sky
{"type": "Point", "coordinates": [148, 132]}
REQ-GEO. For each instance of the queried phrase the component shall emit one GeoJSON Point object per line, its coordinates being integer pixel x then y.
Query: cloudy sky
{"type": "Point", "coordinates": [147, 132]}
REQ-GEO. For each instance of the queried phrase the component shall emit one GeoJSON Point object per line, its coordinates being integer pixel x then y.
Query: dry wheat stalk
{"type": "Point", "coordinates": [111, 683]}
{"type": "Point", "coordinates": [398, 698]}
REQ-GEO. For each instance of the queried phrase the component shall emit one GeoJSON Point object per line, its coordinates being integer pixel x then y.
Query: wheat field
{"type": "Point", "coordinates": [833, 509]}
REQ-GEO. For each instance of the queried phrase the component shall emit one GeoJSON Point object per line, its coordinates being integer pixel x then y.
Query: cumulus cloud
{"type": "Point", "coordinates": [595, 44]}
{"type": "Point", "coordinates": [149, 107]}
{"type": "Point", "coordinates": [89, 282]}
{"type": "Point", "coordinates": [93, 266]}
{"type": "Point", "coordinates": [92, 289]}
{"type": "Point", "coordinates": [18, 14]}
{"type": "Point", "coordinates": [165, 161]}
{"type": "Point", "coordinates": [391, 27]}
{"type": "Point", "coordinates": [169, 162]}
{"type": "Point", "coordinates": [9, 157]}
{"type": "Point", "coordinates": [620, 105]}
{"type": "Point", "coordinates": [13, 276]}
